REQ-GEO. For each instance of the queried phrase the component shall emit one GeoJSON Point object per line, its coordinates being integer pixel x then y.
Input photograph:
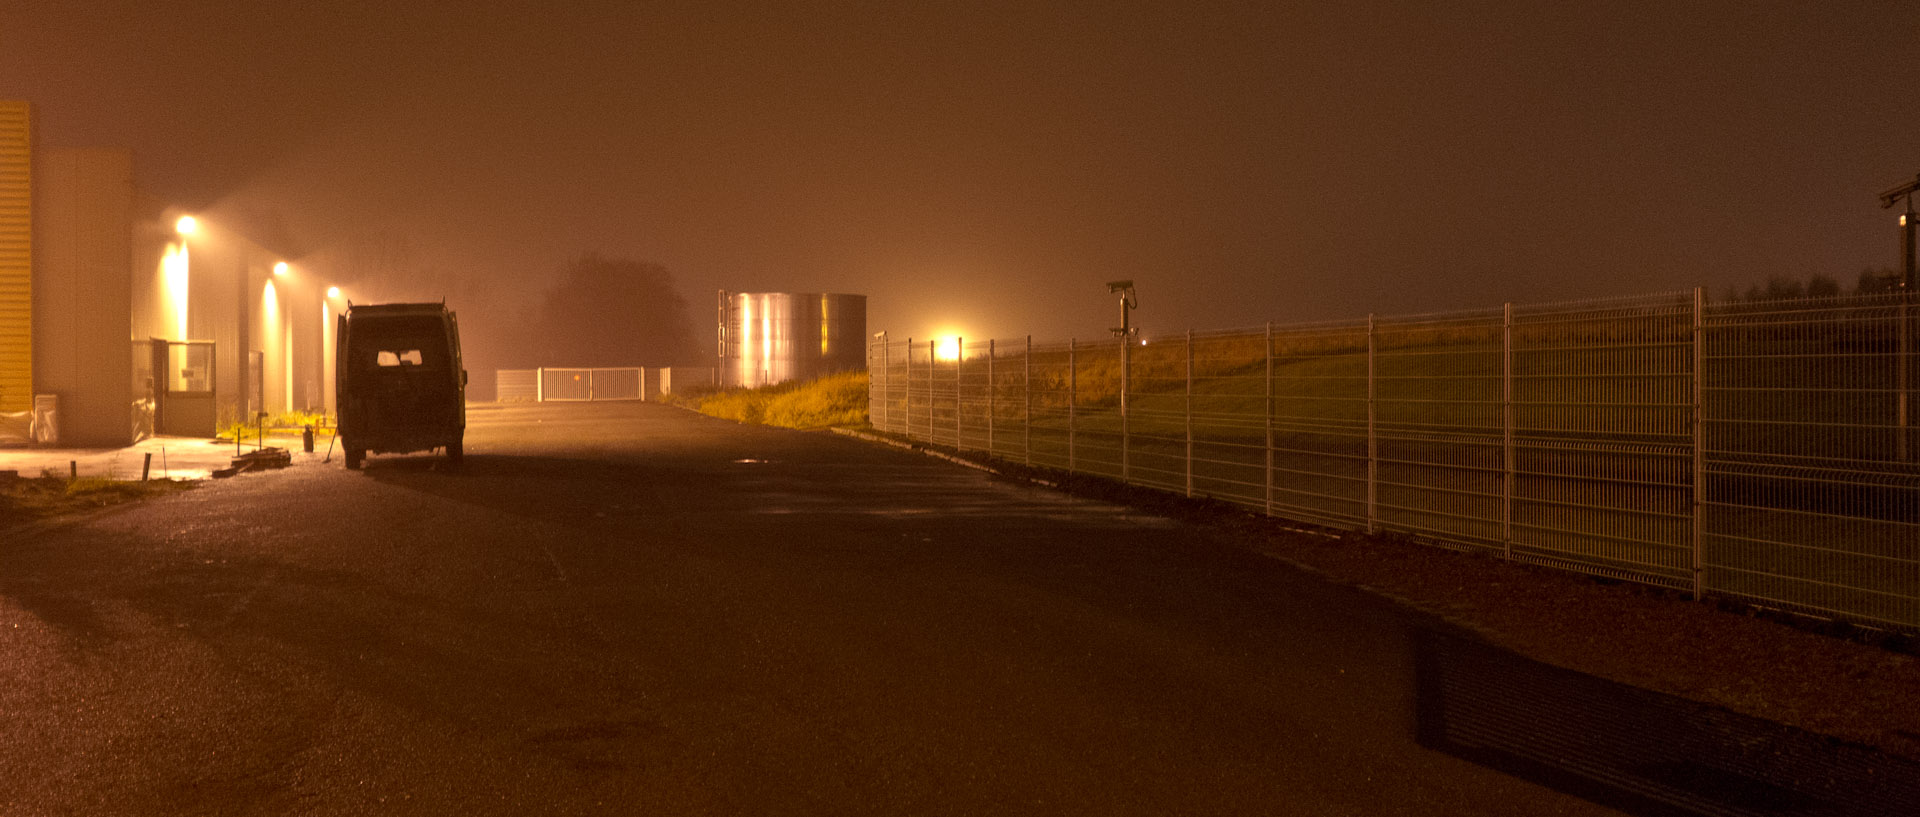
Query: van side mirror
{"type": "Point", "coordinates": [463, 378]}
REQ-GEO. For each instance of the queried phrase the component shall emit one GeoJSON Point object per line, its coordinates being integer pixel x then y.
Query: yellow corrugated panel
{"type": "Point", "coordinates": [16, 257]}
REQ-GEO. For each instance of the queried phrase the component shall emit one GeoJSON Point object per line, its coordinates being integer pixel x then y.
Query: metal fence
{"type": "Point", "coordinates": [570, 385]}
{"type": "Point", "coordinates": [1761, 451]}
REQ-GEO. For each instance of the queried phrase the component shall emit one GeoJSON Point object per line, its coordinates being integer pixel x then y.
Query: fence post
{"type": "Point", "coordinates": [1903, 377]}
{"type": "Point", "coordinates": [1699, 438]}
{"type": "Point", "coordinates": [1073, 397]}
{"type": "Point", "coordinates": [1506, 430]}
{"type": "Point", "coordinates": [1189, 413]}
{"type": "Point", "coordinates": [877, 386]}
{"type": "Point", "coordinates": [1267, 499]}
{"type": "Point", "coordinates": [959, 364]}
{"type": "Point", "coordinates": [907, 401]}
{"type": "Point", "coordinates": [1126, 437]}
{"type": "Point", "coordinates": [1026, 401]}
{"type": "Point", "coordinates": [1373, 439]}
{"type": "Point", "coordinates": [990, 353]}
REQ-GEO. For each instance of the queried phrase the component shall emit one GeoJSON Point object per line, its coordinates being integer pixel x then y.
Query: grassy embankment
{"type": "Point", "coordinates": [833, 400]}
{"type": "Point", "coordinates": [1601, 423]}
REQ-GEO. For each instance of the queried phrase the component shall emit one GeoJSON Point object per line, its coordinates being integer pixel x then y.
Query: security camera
{"type": "Point", "coordinates": [1119, 286]}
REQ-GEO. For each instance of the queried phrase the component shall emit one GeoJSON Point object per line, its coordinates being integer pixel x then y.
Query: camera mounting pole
{"type": "Point", "coordinates": [1128, 302]}
{"type": "Point", "coordinates": [1889, 199]}
{"type": "Point", "coordinates": [1903, 386]}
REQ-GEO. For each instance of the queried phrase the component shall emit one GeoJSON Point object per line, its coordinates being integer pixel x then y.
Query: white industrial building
{"type": "Point", "coordinates": [122, 316]}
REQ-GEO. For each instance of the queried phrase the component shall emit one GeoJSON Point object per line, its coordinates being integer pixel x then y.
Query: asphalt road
{"type": "Point", "coordinates": [631, 609]}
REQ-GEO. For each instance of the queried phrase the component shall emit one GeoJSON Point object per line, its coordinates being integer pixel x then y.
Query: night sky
{"type": "Point", "coordinates": [984, 168]}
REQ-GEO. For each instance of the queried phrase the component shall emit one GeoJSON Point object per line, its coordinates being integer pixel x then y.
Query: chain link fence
{"type": "Point", "coordinates": [1761, 451]}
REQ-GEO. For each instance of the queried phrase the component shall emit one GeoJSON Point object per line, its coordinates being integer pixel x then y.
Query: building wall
{"type": "Point", "coordinates": [16, 255]}
{"type": "Point", "coordinates": [82, 291]}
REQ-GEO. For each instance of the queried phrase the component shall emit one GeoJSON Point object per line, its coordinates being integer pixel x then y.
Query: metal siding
{"type": "Point", "coordinates": [16, 254]}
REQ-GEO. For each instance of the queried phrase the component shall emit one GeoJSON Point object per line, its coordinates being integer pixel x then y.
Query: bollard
{"type": "Point", "coordinates": [146, 466]}
{"type": "Point", "coordinates": [73, 469]}
{"type": "Point", "coordinates": [306, 438]}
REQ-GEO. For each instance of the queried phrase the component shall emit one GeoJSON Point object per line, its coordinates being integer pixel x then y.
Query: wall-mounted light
{"type": "Point", "coordinates": [186, 225]}
{"type": "Point", "coordinates": [280, 268]}
{"type": "Point", "coordinates": [333, 292]}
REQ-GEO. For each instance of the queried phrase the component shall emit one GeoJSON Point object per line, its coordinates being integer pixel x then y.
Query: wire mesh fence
{"type": "Point", "coordinates": [1762, 451]}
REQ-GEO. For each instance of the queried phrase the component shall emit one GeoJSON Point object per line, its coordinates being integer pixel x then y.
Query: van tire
{"type": "Point", "coordinates": [354, 455]}
{"type": "Point", "coordinates": [456, 452]}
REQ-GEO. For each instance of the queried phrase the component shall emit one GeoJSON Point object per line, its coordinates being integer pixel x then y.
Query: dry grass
{"type": "Point", "coordinates": [30, 499]}
{"type": "Point", "coordinates": [832, 400]}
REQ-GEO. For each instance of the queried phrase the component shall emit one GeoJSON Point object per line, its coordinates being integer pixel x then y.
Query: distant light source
{"type": "Point", "coordinates": [186, 225]}
{"type": "Point", "coordinates": [333, 292]}
{"type": "Point", "coordinates": [280, 268]}
{"type": "Point", "coordinates": [948, 349]}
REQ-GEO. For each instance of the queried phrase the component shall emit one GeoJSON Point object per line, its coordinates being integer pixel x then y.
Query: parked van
{"type": "Point", "coordinates": [399, 381]}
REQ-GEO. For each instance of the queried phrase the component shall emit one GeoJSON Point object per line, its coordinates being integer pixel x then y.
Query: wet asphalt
{"type": "Point", "coordinates": [632, 609]}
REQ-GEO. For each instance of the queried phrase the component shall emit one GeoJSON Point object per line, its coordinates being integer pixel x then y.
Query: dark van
{"type": "Point", "coordinates": [398, 378]}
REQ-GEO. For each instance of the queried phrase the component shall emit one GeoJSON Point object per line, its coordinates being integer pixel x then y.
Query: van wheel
{"type": "Point", "coordinates": [354, 455]}
{"type": "Point", "coordinates": [455, 452]}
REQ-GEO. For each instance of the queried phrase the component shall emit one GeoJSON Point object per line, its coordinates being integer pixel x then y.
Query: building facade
{"type": "Point", "coordinates": [122, 316]}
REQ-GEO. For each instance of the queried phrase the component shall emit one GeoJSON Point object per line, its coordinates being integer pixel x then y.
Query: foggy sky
{"type": "Point", "coordinates": [984, 168]}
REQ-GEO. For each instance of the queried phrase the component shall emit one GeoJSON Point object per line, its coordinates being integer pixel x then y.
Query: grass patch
{"type": "Point", "coordinates": [832, 400]}
{"type": "Point", "coordinates": [29, 499]}
{"type": "Point", "coordinates": [322, 423]}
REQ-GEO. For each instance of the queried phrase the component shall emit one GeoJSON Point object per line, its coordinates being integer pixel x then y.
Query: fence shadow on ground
{"type": "Point", "coordinates": [1638, 751]}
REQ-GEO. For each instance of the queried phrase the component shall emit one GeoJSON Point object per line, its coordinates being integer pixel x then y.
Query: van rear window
{"type": "Point", "coordinates": [408, 357]}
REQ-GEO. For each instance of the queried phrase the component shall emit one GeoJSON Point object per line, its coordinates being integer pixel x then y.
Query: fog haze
{"type": "Point", "coordinates": [983, 169]}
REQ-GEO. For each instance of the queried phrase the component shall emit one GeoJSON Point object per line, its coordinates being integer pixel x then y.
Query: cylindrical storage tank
{"type": "Point", "coordinates": [774, 337]}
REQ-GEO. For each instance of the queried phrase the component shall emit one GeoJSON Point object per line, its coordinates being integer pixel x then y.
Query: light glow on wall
{"type": "Point", "coordinates": [173, 267]}
{"type": "Point", "coordinates": [269, 337]}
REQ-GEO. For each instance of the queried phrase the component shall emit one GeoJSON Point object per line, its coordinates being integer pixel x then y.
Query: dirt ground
{"type": "Point", "coordinates": [1855, 685]}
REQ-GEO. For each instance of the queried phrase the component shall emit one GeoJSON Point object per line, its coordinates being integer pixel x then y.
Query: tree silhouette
{"type": "Point", "coordinates": [614, 312]}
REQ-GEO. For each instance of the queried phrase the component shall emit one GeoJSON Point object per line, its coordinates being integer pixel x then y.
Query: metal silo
{"type": "Point", "coordinates": [774, 337]}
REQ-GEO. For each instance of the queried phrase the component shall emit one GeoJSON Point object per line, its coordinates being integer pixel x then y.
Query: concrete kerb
{"type": "Point", "coordinates": [952, 458]}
